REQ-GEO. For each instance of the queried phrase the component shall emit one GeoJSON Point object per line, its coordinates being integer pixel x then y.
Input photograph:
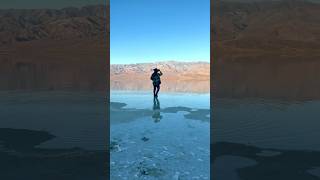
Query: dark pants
{"type": "Point", "coordinates": [156, 89]}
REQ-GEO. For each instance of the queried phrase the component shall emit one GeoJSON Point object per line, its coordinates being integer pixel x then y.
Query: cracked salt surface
{"type": "Point", "coordinates": [173, 148]}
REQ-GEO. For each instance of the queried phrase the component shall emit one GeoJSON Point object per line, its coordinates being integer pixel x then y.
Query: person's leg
{"type": "Point", "coordinates": [154, 90]}
{"type": "Point", "coordinates": [158, 88]}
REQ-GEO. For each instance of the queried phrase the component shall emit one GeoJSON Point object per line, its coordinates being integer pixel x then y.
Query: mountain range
{"type": "Point", "coordinates": [54, 49]}
{"type": "Point", "coordinates": [259, 49]}
{"type": "Point", "coordinates": [267, 25]}
{"type": "Point", "coordinates": [266, 49]}
{"type": "Point", "coordinates": [177, 76]}
{"type": "Point", "coordinates": [53, 24]}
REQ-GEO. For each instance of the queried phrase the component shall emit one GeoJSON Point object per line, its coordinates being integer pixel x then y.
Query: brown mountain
{"type": "Point", "coordinates": [281, 21]}
{"type": "Point", "coordinates": [52, 49]}
{"type": "Point", "coordinates": [177, 76]}
{"type": "Point", "coordinates": [38, 24]}
{"type": "Point", "coordinates": [266, 49]}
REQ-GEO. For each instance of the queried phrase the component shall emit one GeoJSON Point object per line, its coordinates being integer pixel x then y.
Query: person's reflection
{"type": "Point", "coordinates": [156, 110]}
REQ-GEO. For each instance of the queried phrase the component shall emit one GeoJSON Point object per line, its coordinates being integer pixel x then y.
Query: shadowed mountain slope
{"type": "Point", "coordinates": [266, 49]}
{"type": "Point", "coordinates": [48, 49]}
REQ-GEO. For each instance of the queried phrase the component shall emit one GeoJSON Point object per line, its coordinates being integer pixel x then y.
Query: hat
{"type": "Point", "coordinates": [156, 69]}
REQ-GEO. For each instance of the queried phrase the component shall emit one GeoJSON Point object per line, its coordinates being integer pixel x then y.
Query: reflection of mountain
{"type": "Point", "coordinates": [177, 76]}
{"type": "Point", "coordinates": [267, 49]}
{"type": "Point", "coordinates": [53, 49]}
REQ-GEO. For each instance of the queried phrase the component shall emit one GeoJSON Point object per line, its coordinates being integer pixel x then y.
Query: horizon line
{"type": "Point", "coordinates": [163, 61]}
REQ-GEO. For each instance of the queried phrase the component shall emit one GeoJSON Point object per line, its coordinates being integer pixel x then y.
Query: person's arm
{"type": "Point", "coordinates": [160, 73]}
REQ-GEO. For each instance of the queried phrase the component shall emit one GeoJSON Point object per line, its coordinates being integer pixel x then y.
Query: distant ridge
{"type": "Point", "coordinates": [165, 62]}
{"type": "Point", "coordinates": [272, 25]}
{"type": "Point", "coordinates": [21, 25]}
{"type": "Point", "coordinates": [166, 66]}
{"type": "Point", "coordinates": [266, 49]}
{"type": "Point", "coordinates": [177, 76]}
{"type": "Point", "coordinates": [54, 49]}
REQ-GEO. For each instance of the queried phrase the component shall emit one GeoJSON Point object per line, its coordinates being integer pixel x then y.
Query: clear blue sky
{"type": "Point", "coordinates": [159, 30]}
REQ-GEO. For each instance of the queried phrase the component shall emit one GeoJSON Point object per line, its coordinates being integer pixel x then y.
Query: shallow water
{"type": "Point", "coordinates": [281, 137]}
{"type": "Point", "coordinates": [76, 119]}
{"type": "Point", "coordinates": [53, 135]}
{"type": "Point", "coordinates": [167, 138]}
{"type": "Point", "coordinates": [268, 124]}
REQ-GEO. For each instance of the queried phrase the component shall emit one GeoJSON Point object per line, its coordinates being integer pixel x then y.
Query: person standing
{"type": "Point", "coordinates": [156, 81]}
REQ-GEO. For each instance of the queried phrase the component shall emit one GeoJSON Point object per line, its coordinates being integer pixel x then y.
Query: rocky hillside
{"type": "Point", "coordinates": [47, 49]}
{"type": "Point", "coordinates": [287, 20]}
{"type": "Point", "coordinates": [172, 67]}
{"type": "Point", "coordinates": [266, 49]}
{"type": "Point", "coordinates": [177, 76]}
{"type": "Point", "coordinates": [69, 23]}
{"type": "Point", "coordinates": [288, 27]}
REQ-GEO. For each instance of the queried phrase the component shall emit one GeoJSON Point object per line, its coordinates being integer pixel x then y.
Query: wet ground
{"type": "Point", "coordinates": [22, 159]}
{"type": "Point", "coordinates": [53, 135]}
{"type": "Point", "coordinates": [265, 139]}
{"type": "Point", "coordinates": [234, 161]}
{"type": "Point", "coordinates": [164, 138]}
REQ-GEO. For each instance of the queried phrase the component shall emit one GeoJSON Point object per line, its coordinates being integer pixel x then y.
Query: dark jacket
{"type": "Point", "coordinates": [155, 77]}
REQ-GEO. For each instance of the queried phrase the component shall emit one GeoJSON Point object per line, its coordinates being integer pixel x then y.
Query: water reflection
{"type": "Point", "coordinates": [233, 161]}
{"type": "Point", "coordinates": [260, 137]}
{"type": "Point", "coordinates": [268, 77]}
{"type": "Point", "coordinates": [21, 157]}
{"type": "Point", "coordinates": [170, 85]}
{"type": "Point", "coordinates": [156, 110]}
{"type": "Point", "coordinates": [49, 135]}
{"type": "Point", "coordinates": [171, 142]}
